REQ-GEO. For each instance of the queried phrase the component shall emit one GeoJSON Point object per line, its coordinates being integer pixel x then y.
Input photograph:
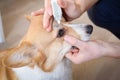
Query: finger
{"type": "Point", "coordinates": [48, 7]}
{"type": "Point", "coordinates": [73, 41]}
{"type": "Point", "coordinates": [77, 58]}
{"type": "Point", "coordinates": [46, 20]}
{"type": "Point", "coordinates": [72, 57]}
{"type": "Point", "coordinates": [62, 3]}
{"type": "Point", "coordinates": [69, 56]}
{"type": "Point", "coordinates": [50, 27]}
{"type": "Point", "coordinates": [39, 12]}
{"type": "Point", "coordinates": [75, 50]}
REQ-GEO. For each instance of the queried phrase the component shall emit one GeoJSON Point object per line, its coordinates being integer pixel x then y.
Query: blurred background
{"type": "Point", "coordinates": [15, 26]}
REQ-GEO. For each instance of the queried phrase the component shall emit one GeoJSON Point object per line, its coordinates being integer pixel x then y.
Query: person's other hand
{"type": "Point", "coordinates": [86, 50]}
{"type": "Point", "coordinates": [71, 10]}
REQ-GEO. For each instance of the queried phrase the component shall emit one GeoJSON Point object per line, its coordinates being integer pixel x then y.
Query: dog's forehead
{"type": "Point", "coordinates": [72, 29]}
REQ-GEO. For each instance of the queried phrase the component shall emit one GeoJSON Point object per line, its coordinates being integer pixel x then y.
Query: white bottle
{"type": "Point", "coordinates": [57, 11]}
{"type": "Point", "coordinates": [2, 38]}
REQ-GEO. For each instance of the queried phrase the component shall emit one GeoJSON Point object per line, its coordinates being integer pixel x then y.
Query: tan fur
{"type": "Point", "coordinates": [36, 48]}
{"type": "Point", "coordinates": [7, 74]}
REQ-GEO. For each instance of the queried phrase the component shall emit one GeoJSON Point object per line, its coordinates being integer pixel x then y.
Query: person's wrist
{"type": "Point", "coordinates": [108, 49]}
{"type": "Point", "coordinates": [114, 49]}
{"type": "Point", "coordinates": [103, 48]}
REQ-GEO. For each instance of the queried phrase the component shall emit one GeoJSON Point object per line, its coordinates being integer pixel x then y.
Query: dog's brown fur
{"type": "Point", "coordinates": [38, 47]}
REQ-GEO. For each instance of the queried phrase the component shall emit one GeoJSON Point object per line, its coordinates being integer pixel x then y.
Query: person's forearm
{"type": "Point", "coordinates": [85, 4]}
{"type": "Point", "coordinates": [116, 49]}
{"type": "Point", "coordinates": [112, 49]}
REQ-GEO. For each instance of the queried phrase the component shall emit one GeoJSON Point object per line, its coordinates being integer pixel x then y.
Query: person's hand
{"type": "Point", "coordinates": [71, 10]}
{"type": "Point", "coordinates": [86, 50]}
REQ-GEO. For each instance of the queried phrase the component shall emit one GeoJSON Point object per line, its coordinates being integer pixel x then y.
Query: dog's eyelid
{"type": "Point", "coordinates": [61, 33]}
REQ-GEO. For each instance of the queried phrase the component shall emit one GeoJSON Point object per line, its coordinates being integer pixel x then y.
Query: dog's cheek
{"type": "Point", "coordinates": [52, 55]}
{"type": "Point", "coordinates": [40, 58]}
{"type": "Point", "coordinates": [57, 52]}
{"type": "Point", "coordinates": [47, 67]}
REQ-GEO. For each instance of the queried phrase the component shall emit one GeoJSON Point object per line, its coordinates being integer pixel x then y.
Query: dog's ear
{"type": "Point", "coordinates": [21, 56]}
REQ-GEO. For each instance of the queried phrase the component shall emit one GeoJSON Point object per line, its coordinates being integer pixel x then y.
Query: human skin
{"type": "Point", "coordinates": [72, 8]}
{"type": "Point", "coordinates": [91, 49]}
{"type": "Point", "coordinates": [86, 50]}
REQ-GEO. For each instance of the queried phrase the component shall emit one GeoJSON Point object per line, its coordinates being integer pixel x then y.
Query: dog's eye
{"type": "Point", "coordinates": [61, 33]}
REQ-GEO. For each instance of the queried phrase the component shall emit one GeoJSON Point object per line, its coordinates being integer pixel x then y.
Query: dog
{"type": "Point", "coordinates": [40, 54]}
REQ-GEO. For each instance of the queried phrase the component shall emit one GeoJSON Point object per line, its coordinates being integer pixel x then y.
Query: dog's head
{"type": "Point", "coordinates": [46, 49]}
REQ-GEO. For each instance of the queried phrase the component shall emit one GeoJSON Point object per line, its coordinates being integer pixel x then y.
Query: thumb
{"type": "Point", "coordinates": [72, 58]}
{"type": "Point", "coordinates": [69, 56]}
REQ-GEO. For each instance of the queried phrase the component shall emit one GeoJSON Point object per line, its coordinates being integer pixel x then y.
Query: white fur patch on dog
{"type": "Point", "coordinates": [25, 73]}
{"type": "Point", "coordinates": [81, 30]}
{"type": "Point", "coordinates": [63, 69]}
